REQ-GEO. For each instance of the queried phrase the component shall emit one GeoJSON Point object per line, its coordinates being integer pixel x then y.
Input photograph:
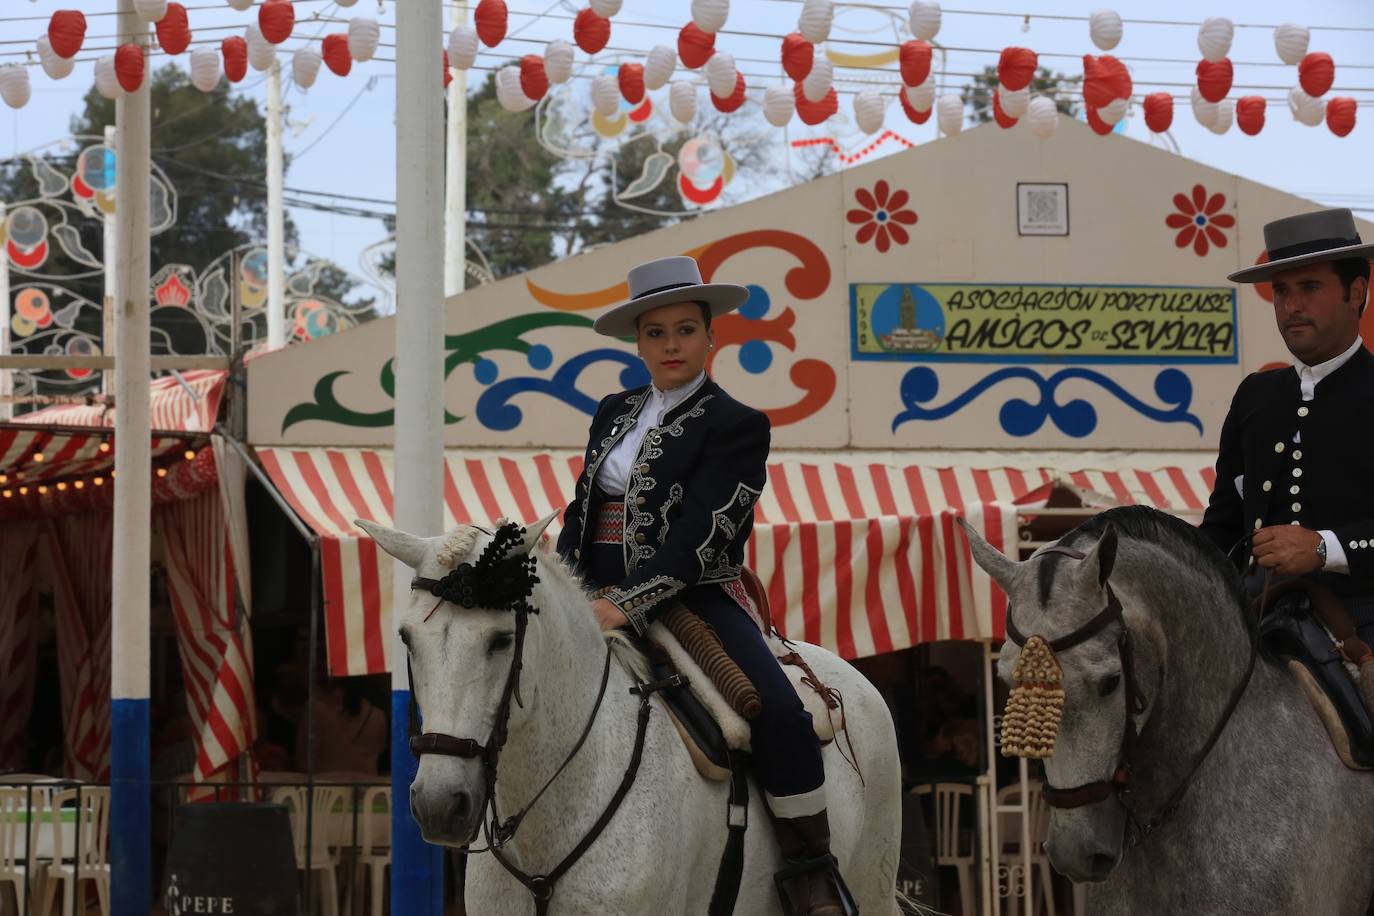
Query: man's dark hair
{"type": "Point", "coordinates": [705, 315]}
{"type": "Point", "coordinates": [1347, 269]}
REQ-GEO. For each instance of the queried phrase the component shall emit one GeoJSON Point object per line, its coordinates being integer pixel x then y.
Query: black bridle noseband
{"type": "Point", "coordinates": [1121, 783]}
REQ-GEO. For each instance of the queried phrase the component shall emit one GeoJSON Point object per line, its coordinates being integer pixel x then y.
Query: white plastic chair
{"type": "Point", "coordinates": [324, 842]}
{"type": "Point", "coordinates": [374, 846]}
{"type": "Point", "coordinates": [16, 861]}
{"type": "Point", "coordinates": [950, 798]}
{"type": "Point", "coordinates": [67, 871]}
{"type": "Point", "coordinates": [1038, 816]}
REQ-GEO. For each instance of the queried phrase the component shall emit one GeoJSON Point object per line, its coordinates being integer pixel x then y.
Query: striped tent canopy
{"type": "Point", "coordinates": [860, 557]}
{"type": "Point", "coordinates": [181, 402]}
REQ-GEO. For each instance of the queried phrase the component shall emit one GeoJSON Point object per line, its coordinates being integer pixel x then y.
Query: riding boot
{"type": "Point", "coordinates": [812, 879]}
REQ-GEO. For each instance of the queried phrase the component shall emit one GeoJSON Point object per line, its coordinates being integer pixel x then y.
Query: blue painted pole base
{"type": "Point", "coordinates": [131, 862]}
{"type": "Point", "coordinates": [417, 868]}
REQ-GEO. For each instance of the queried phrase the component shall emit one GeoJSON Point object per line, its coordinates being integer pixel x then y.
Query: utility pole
{"type": "Point", "coordinates": [417, 874]}
{"type": "Point", "coordinates": [276, 214]}
{"type": "Point", "coordinates": [456, 175]}
{"type": "Point", "coordinates": [131, 811]}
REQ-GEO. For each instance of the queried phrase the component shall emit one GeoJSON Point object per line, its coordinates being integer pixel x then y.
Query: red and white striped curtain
{"type": "Point", "coordinates": [215, 647]}
{"type": "Point", "coordinates": [18, 639]}
{"type": "Point", "coordinates": [75, 560]}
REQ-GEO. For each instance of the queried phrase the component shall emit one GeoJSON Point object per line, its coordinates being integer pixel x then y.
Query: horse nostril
{"type": "Point", "coordinates": [1101, 865]}
{"type": "Point", "coordinates": [461, 805]}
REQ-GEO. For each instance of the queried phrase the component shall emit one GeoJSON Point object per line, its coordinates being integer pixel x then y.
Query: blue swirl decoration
{"type": "Point", "coordinates": [1019, 417]}
{"type": "Point", "coordinates": [494, 407]}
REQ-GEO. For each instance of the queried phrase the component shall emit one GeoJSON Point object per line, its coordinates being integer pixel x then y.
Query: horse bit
{"type": "Point", "coordinates": [1121, 783]}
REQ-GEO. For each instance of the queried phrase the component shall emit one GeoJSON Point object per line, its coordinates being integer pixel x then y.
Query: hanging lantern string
{"type": "Point", "coordinates": [190, 9]}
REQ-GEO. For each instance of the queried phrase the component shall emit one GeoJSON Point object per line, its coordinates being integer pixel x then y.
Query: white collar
{"type": "Point", "coordinates": [675, 396]}
{"type": "Point", "coordinates": [1322, 370]}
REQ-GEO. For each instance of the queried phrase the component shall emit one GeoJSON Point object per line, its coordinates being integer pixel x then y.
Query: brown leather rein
{"type": "Point", "coordinates": [1121, 784]}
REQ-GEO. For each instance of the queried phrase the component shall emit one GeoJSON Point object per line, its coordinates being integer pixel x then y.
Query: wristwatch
{"type": "Point", "coordinates": [1321, 550]}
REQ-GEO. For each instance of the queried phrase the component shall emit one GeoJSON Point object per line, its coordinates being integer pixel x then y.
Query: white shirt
{"type": "Point", "coordinates": [1308, 378]}
{"type": "Point", "coordinates": [614, 473]}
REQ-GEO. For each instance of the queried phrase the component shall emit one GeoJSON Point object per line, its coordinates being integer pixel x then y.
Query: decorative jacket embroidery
{"type": "Point", "coordinates": [639, 602]}
{"type": "Point", "coordinates": [640, 483]}
{"type": "Point", "coordinates": [725, 522]}
{"type": "Point", "coordinates": [674, 498]}
{"type": "Point", "coordinates": [619, 427]}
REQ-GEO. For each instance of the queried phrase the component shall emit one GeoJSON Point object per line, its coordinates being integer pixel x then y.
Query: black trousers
{"type": "Point", "coordinates": [786, 752]}
{"type": "Point", "coordinates": [1360, 606]}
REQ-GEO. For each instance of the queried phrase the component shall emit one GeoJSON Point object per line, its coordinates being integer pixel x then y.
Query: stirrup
{"type": "Point", "coordinates": [826, 864]}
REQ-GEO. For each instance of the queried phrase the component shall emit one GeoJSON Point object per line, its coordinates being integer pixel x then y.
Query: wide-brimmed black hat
{"type": "Point", "coordinates": [1324, 235]}
{"type": "Point", "coordinates": [663, 282]}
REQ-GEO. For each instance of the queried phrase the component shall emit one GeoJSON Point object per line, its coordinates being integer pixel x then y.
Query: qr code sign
{"type": "Point", "coordinates": [1042, 209]}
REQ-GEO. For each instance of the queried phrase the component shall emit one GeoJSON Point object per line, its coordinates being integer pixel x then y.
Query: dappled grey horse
{"type": "Point", "coordinates": [1268, 821]}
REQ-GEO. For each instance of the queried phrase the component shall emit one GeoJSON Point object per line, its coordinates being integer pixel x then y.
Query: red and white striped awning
{"type": "Point", "coordinates": [862, 558]}
{"type": "Point", "coordinates": [186, 404]}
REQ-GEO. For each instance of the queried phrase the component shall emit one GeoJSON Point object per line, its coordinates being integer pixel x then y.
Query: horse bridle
{"type": "Point", "coordinates": [1121, 783]}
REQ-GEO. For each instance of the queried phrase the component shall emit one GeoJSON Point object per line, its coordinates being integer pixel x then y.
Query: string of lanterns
{"type": "Point", "coordinates": [811, 96]}
{"type": "Point", "coordinates": [29, 495]}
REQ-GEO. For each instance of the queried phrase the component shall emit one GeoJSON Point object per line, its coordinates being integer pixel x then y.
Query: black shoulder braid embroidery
{"type": "Point", "coordinates": [497, 581]}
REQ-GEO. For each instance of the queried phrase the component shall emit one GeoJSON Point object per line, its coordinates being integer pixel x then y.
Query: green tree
{"type": "Point", "coordinates": [1058, 86]}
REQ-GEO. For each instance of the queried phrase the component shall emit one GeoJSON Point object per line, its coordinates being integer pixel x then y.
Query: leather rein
{"type": "Point", "coordinates": [499, 832]}
{"type": "Point", "coordinates": [1121, 784]}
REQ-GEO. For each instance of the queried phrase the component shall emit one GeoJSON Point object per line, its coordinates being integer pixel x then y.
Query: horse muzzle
{"type": "Point", "coordinates": [447, 813]}
{"type": "Point", "coordinates": [1085, 851]}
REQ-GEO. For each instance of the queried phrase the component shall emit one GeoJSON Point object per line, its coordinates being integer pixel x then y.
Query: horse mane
{"type": "Point", "coordinates": [564, 577]}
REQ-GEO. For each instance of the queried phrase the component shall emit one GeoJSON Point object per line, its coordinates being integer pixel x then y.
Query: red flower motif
{"type": "Point", "coordinates": [880, 215]}
{"type": "Point", "coordinates": [1198, 220]}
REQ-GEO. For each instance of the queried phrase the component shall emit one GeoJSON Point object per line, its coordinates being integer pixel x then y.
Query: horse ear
{"type": "Point", "coordinates": [407, 548]}
{"type": "Point", "coordinates": [1002, 568]}
{"type": "Point", "coordinates": [535, 531]}
{"type": "Point", "coordinates": [1103, 555]}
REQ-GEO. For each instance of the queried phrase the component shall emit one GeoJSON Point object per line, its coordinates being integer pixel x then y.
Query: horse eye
{"type": "Point", "coordinates": [500, 643]}
{"type": "Point", "coordinates": [1108, 685]}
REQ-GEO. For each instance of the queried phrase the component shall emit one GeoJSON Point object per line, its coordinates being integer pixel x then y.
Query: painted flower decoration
{"type": "Point", "coordinates": [1198, 220]}
{"type": "Point", "coordinates": [879, 214]}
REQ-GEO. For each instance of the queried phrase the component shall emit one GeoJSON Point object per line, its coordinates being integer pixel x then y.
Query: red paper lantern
{"type": "Point", "coordinates": [129, 67]}
{"type": "Point", "coordinates": [694, 46]}
{"type": "Point", "coordinates": [490, 21]}
{"type": "Point", "coordinates": [797, 56]}
{"type": "Point", "coordinates": [1097, 91]}
{"type": "Point", "coordinates": [173, 30]}
{"type": "Point", "coordinates": [590, 31]}
{"type": "Point", "coordinates": [1340, 115]}
{"type": "Point", "coordinates": [1316, 73]}
{"type": "Point", "coordinates": [276, 19]}
{"type": "Point", "coordinates": [1015, 68]}
{"type": "Point", "coordinates": [914, 59]}
{"type": "Point", "coordinates": [1214, 78]}
{"type": "Point", "coordinates": [916, 117]}
{"type": "Point", "coordinates": [235, 51]}
{"type": "Point", "coordinates": [735, 99]}
{"type": "Point", "coordinates": [334, 50]}
{"type": "Point", "coordinates": [815, 112]}
{"type": "Point", "coordinates": [1250, 114]}
{"type": "Point", "coordinates": [1003, 119]}
{"type": "Point", "coordinates": [631, 83]}
{"type": "Point", "coordinates": [66, 32]}
{"type": "Point", "coordinates": [534, 82]}
{"type": "Point", "coordinates": [1117, 76]}
{"type": "Point", "coordinates": [1101, 127]}
{"type": "Point", "coordinates": [1159, 111]}
{"type": "Point", "coordinates": [448, 70]}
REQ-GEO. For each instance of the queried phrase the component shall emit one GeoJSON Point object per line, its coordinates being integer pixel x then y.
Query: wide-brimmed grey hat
{"type": "Point", "coordinates": [663, 282]}
{"type": "Point", "coordinates": [1324, 235]}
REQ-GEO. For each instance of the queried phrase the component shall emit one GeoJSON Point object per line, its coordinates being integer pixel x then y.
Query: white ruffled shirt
{"type": "Point", "coordinates": [614, 473]}
{"type": "Point", "coordinates": [1308, 379]}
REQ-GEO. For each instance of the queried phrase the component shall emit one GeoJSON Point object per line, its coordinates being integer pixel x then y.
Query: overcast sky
{"type": "Point", "coordinates": [342, 133]}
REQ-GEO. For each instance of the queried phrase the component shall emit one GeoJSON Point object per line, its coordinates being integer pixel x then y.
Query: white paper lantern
{"type": "Point", "coordinates": [779, 103]}
{"type": "Point", "coordinates": [261, 52]}
{"type": "Point", "coordinates": [819, 80]}
{"type": "Point", "coordinates": [606, 8]}
{"type": "Point", "coordinates": [923, 96]}
{"type": "Point", "coordinates": [508, 91]}
{"type": "Point", "coordinates": [345, 3]}
{"type": "Point", "coordinates": [1203, 110]}
{"type": "Point", "coordinates": [924, 18]}
{"type": "Point", "coordinates": [1214, 37]}
{"type": "Point", "coordinates": [1014, 103]}
{"type": "Point", "coordinates": [1104, 27]}
{"type": "Point", "coordinates": [659, 67]}
{"type": "Point", "coordinates": [14, 85]}
{"type": "Point", "coordinates": [949, 113]}
{"type": "Point", "coordinates": [815, 19]}
{"type": "Point", "coordinates": [242, 5]}
{"type": "Point", "coordinates": [1306, 109]}
{"type": "Point", "coordinates": [205, 69]}
{"type": "Point", "coordinates": [710, 15]}
{"type": "Point", "coordinates": [1113, 112]}
{"type": "Point", "coordinates": [720, 74]}
{"type": "Point", "coordinates": [54, 66]}
{"type": "Point", "coordinates": [462, 47]}
{"type": "Point", "coordinates": [305, 66]}
{"type": "Point", "coordinates": [1226, 113]}
{"type": "Point", "coordinates": [363, 36]}
{"type": "Point", "coordinates": [558, 61]}
{"type": "Point", "coordinates": [1290, 41]}
{"type": "Point", "coordinates": [1042, 117]}
{"type": "Point", "coordinates": [682, 101]}
{"type": "Point", "coordinates": [869, 111]}
{"type": "Point", "coordinates": [150, 10]}
{"type": "Point", "coordinates": [606, 95]}
{"type": "Point", "coordinates": [106, 83]}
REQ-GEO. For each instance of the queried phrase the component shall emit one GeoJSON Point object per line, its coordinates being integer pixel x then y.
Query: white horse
{"type": "Point", "coordinates": [660, 851]}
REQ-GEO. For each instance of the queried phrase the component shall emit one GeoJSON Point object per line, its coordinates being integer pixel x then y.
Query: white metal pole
{"type": "Point", "coordinates": [276, 215]}
{"type": "Point", "coordinates": [417, 868]}
{"type": "Point", "coordinates": [111, 224]}
{"type": "Point", "coordinates": [131, 851]}
{"type": "Point", "coordinates": [456, 174]}
{"type": "Point", "coordinates": [6, 375]}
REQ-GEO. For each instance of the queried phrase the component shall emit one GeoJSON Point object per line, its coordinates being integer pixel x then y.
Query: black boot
{"type": "Point", "coordinates": [810, 885]}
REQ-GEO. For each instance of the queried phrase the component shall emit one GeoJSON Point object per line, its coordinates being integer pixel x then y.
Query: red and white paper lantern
{"type": "Point", "coordinates": [1214, 78]}
{"type": "Point", "coordinates": [1214, 37]}
{"type": "Point", "coordinates": [606, 8]}
{"type": "Point", "coordinates": [1159, 111]}
{"type": "Point", "coordinates": [924, 18]}
{"type": "Point", "coordinates": [131, 62]}
{"type": "Point", "coordinates": [1316, 73]}
{"type": "Point", "coordinates": [1306, 110]}
{"type": "Point", "coordinates": [710, 15]}
{"type": "Point", "coordinates": [913, 59]}
{"type": "Point", "coordinates": [1104, 28]}
{"type": "Point", "coordinates": [695, 47]}
{"type": "Point", "coordinates": [305, 67]}
{"type": "Point", "coordinates": [949, 114]}
{"type": "Point", "coordinates": [1250, 114]}
{"type": "Point", "coordinates": [732, 100]}
{"type": "Point", "coordinates": [922, 97]}
{"type": "Point", "coordinates": [364, 35]}
{"type": "Point", "coordinates": [14, 85]}
{"type": "Point", "coordinates": [797, 55]}
{"type": "Point", "coordinates": [815, 20]}
{"type": "Point", "coordinates": [491, 17]}
{"type": "Point", "coordinates": [54, 65]}
{"type": "Point", "coordinates": [150, 10]}
{"type": "Point", "coordinates": [235, 51]}
{"type": "Point", "coordinates": [174, 30]}
{"type": "Point", "coordinates": [205, 69]}
{"type": "Point", "coordinates": [630, 78]}
{"type": "Point", "coordinates": [819, 81]}
{"type": "Point", "coordinates": [106, 83]}
{"type": "Point", "coordinates": [869, 111]}
{"type": "Point", "coordinates": [1013, 102]}
{"type": "Point", "coordinates": [1290, 42]}
{"type": "Point", "coordinates": [261, 52]}
{"type": "Point", "coordinates": [1204, 111]}
{"type": "Point", "coordinates": [1226, 116]}
{"type": "Point", "coordinates": [334, 50]}
{"type": "Point", "coordinates": [720, 74]}
{"type": "Point", "coordinates": [659, 67]}
{"type": "Point", "coordinates": [590, 31]}
{"type": "Point", "coordinates": [67, 32]}
{"type": "Point", "coordinates": [682, 101]}
{"type": "Point", "coordinates": [1340, 115]}
{"type": "Point", "coordinates": [276, 20]}
{"type": "Point", "coordinates": [462, 47]}
{"type": "Point", "coordinates": [1042, 117]}
{"type": "Point", "coordinates": [778, 105]}
{"type": "Point", "coordinates": [1016, 67]}
{"type": "Point", "coordinates": [606, 95]}
{"type": "Point", "coordinates": [508, 91]}
{"type": "Point", "coordinates": [558, 61]}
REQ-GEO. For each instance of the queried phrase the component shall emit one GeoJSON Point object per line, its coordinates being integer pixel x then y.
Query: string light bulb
{"type": "Point", "coordinates": [79, 484]}
{"type": "Point", "coordinates": [99, 481]}
{"type": "Point", "coordinates": [104, 446]}
{"type": "Point", "coordinates": [162, 472]}
{"type": "Point", "coordinates": [190, 454]}
{"type": "Point", "coordinates": [23, 491]}
{"type": "Point", "coordinates": [61, 485]}
{"type": "Point", "coordinates": [8, 494]}
{"type": "Point", "coordinates": [42, 490]}
{"type": "Point", "coordinates": [38, 457]}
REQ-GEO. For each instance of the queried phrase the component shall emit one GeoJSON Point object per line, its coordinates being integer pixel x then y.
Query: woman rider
{"type": "Point", "coordinates": [661, 514]}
